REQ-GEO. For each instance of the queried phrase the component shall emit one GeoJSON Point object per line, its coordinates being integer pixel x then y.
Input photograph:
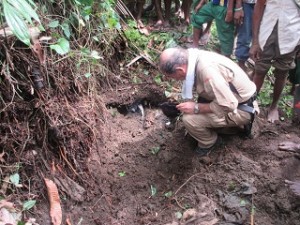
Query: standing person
{"type": "Point", "coordinates": [244, 33]}
{"type": "Point", "coordinates": [276, 35]}
{"type": "Point", "coordinates": [224, 88]}
{"type": "Point", "coordinates": [222, 12]}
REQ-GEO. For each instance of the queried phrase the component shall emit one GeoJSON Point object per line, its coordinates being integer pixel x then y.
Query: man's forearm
{"type": "Point", "coordinates": [257, 17]}
{"type": "Point", "coordinates": [204, 108]}
{"type": "Point", "coordinates": [238, 4]}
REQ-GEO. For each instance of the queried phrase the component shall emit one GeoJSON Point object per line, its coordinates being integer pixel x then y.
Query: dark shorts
{"type": "Point", "coordinates": [271, 56]}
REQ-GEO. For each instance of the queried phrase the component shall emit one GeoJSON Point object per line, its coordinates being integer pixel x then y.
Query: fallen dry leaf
{"type": "Point", "coordinates": [55, 207]}
{"type": "Point", "coordinates": [1, 157]}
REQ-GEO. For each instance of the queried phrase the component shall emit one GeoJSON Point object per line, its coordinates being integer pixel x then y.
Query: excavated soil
{"type": "Point", "coordinates": [146, 174]}
{"type": "Point", "coordinates": [113, 166]}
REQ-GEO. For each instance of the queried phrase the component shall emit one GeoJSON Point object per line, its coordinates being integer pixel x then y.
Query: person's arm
{"type": "Point", "coordinates": [257, 17]}
{"type": "Point", "coordinates": [229, 13]}
{"type": "Point", "coordinates": [189, 107]}
{"type": "Point", "coordinates": [238, 12]}
{"type": "Point", "coordinates": [214, 85]}
{"type": "Point", "coordinates": [199, 5]}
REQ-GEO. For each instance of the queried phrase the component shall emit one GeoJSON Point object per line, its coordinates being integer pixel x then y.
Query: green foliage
{"type": "Point", "coordinates": [178, 215]}
{"type": "Point", "coordinates": [15, 179]}
{"type": "Point", "coordinates": [28, 204]}
{"type": "Point", "coordinates": [108, 16]}
{"type": "Point", "coordinates": [122, 174]}
{"type": "Point", "coordinates": [265, 94]}
{"type": "Point", "coordinates": [62, 46]}
{"type": "Point", "coordinates": [168, 194]}
{"type": "Point", "coordinates": [134, 36]}
{"type": "Point", "coordinates": [155, 150]}
{"type": "Point", "coordinates": [153, 190]}
{"type": "Point", "coordinates": [18, 13]}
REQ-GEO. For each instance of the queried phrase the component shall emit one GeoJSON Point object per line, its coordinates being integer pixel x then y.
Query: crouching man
{"type": "Point", "coordinates": [225, 93]}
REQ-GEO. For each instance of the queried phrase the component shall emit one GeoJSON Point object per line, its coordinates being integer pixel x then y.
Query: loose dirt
{"type": "Point", "coordinates": [152, 176]}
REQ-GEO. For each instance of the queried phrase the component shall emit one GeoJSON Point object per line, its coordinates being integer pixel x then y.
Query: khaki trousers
{"type": "Point", "coordinates": [203, 127]}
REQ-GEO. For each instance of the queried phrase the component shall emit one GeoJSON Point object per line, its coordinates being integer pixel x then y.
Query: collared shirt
{"type": "Point", "coordinates": [214, 73]}
{"type": "Point", "coordinates": [287, 14]}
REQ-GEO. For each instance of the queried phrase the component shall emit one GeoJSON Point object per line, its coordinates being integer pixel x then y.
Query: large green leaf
{"type": "Point", "coordinates": [17, 13]}
{"type": "Point", "coordinates": [61, 47]}
{"type": "Point", "coordinates": [25, 10]}
{"type": "Point", "coordinates": [16, 24]}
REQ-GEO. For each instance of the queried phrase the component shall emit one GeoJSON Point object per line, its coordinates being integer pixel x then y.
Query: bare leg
{"type": "Point", "coordinates": [258, 79]}
{"type": "Point", "coordinates": [167, 12]}
{"type": "Point", "coordinates": [242, 65]}
{"type": "Point", "coordinates": [186, 5]}
{"type": "Point", "coordinates": [150, 7]}
{"type": "Point", "coordinates": [273, 113]}
{"type": "Point", "coordinates": [140, 5]}
{"type": "Point", "coordinates": [158, 9]}
{"type": "Point", "coordinates": [196, 36]}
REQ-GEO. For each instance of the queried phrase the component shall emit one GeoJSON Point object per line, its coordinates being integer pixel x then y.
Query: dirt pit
{"type": "Point", "coordinates": [149, 175]}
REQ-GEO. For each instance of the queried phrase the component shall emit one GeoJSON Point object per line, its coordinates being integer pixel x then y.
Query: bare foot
{"type": "Point", "coordinates": [289, 146]}
{"type": "Point", "coordinates": [159, 23]}
{"type": "Point", "coordinates": [140, 24]}
{"type": "Point", "coordinates": [167, 24]}
{"type": "Point", "coordinates": [273, 115]}
{"type": "Point", "coordinates": [294, 186]}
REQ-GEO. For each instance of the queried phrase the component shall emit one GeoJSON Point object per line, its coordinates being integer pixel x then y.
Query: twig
{"type": "Point", "coordinates": [289, 150]}
{"type": "Point", "coordinates": [62, 151]}
{"type": "Point", "coordinates": [186, 183]}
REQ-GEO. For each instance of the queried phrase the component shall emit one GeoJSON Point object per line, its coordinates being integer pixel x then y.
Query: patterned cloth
{"type": "Point", "coordinates": [249, 1]}
{"type": "Point", "coordinates": [220, 2]}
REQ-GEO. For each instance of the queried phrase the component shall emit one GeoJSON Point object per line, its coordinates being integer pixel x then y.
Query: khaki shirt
{"type": "Point", "coordinates": [213, 73]}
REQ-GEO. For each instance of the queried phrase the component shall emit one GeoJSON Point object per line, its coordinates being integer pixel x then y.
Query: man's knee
{"type": "Point", "coordinates": [187, 120]}
{"type": "Point", "coordinates": [281, 74]}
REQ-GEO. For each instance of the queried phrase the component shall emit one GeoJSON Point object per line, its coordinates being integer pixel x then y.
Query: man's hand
{"type": "Point", "coordinates": [290, 146]}
{"type": "Point", "coordinates": [239, 17]}
{"type": "Point", "coordinates": [186, 107]}
{"type": "Point", "coordinates": [255, 51]}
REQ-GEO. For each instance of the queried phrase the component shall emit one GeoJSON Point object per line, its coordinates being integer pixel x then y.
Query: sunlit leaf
{"type": "Point", "coordinates": [95, 55]}
{"type": "Point", "coordinates": [243, 202]}
{"type": "Point", "coordinates": [25, 10]}
{"type": "Point", "coordinates": [17, 13]}
{"type": "Point", "coordinates": [28, 204]}
{"type": "Point", "coordinates": [157, 79]}
{"type": "Point", "coordinates": [87, 75]}
{"type": "Point", "coordinates": [96, 38]}
{"type": "Point", "coordinates": [122, 174]}
{"type": "Point", "coordinates": [153, 190]}
{"type": "Point", "coordinates": [178, 215]}
{"type": "Point", "coordinates": [66, 28]}
{"type": "Point", "coordinates": [16, 23]}
{"type": "Point", "coordinates": [168, 194]}
{"type": "Point", "coordinates": [155, 150]}
{"type": "Point", "coordinates": [61, 47]}
{"type": "Point", "coordinates": [53, 24]}
{"type": "Point", "coordinates": [15, 179]}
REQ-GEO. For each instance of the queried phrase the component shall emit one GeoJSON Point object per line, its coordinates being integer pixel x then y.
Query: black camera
{"type": "Point", "coordinates": [169, 109]}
